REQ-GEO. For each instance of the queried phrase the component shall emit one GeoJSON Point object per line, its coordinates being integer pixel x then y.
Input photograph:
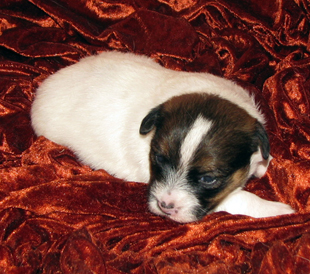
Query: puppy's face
{"type": "Point", "coordinates": [201, 151]}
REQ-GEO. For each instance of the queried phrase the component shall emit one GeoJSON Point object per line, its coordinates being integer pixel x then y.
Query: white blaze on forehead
{"type": "Point", "coordinates": [193, 139]}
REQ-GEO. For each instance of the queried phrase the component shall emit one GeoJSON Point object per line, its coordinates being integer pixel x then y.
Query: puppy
{"type": "Point", "coordinates": [194, 137]}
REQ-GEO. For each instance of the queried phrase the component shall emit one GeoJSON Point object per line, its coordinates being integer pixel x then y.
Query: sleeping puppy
{"type": "Point", "coordinates": [194, 137]}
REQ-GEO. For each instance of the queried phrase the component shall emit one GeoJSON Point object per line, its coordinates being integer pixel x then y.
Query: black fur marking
{"type": "Point", "coordinates": [150, 121]}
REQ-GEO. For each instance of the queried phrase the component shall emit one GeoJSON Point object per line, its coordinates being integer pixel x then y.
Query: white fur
{"type": "Point", "coordinates": [193, 138]}
{"type": "Point", "coordinates": [96, 106]}
{"type": "Point", "coordinates": [259, 165]}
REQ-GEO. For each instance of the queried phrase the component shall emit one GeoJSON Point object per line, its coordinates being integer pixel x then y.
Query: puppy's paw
{"type": "Point", "coordinates": [246, 203]}
{"type": "Point", "coordinates": [276, 208]}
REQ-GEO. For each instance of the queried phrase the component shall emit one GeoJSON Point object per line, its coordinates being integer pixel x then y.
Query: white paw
{"type": "Point", "coordinates": [276, 208]}
{"type": "Point", "coordinates": [246, 203]}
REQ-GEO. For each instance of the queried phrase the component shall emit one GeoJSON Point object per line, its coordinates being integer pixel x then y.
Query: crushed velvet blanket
{"type": "Point", "coordinates": [59, 216]}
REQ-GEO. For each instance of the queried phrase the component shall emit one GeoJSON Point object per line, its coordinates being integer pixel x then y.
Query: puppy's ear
{"type": "Point", "coordinates": [263, 140]}
{"type": "Point", "coordinates": [261, 158]}
{"type": "Point", "coordinates": [150, 121]}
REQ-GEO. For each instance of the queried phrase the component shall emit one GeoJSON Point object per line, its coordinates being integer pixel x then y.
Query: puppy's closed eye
{"type": "Point", "coordinates": [160, 159]}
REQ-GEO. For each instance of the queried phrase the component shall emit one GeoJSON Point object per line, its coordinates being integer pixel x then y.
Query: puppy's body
{"type": "Point", "coordinates": [96, 107]}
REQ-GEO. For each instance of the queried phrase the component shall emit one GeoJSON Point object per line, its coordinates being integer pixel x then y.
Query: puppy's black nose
{"type": "Point", "coordinates": [169, 206]}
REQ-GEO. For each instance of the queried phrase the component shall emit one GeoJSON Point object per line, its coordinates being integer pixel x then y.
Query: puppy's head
{"type": "Point", "coordinates": [203, 148]}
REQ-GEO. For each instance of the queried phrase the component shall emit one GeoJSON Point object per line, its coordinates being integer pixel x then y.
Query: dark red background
{"type": "Point", "coordinates": [58, 216]}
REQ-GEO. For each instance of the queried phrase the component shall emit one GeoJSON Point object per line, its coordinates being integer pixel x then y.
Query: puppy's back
{"type": "Point", "coordinates": [95, 107]}
{"type": "Point", "coordinates": [73, 93]}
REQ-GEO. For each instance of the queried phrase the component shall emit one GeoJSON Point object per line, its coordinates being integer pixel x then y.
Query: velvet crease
{"type": "Point", "coordinates": [59, 216]}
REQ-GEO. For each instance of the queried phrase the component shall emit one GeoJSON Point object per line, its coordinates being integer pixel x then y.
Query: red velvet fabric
{"type": "Point", "coordinates": [58, 216]}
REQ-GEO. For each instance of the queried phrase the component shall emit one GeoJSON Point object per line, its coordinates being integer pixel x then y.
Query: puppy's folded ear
{"type": "Point", "coordinates": [261, 158]}
{"type": "Point", "coordinates": [150, 121]}
{"type": "Point", "coordinates": [263, 140]}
